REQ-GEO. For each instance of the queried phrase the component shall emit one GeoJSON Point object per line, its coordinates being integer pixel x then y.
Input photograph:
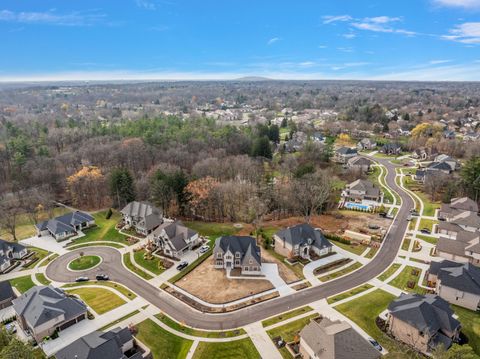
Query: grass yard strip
{"type": "Point", "coordinates": [100, 300]}
{"type": "Point", "coordinates": [429, 239]}
{"type": "Point", "coordinates": [364, 311]}
{"type": "Point", "coordinates": [22, 283]}
{"type": "Point", "coordinates": [42, 279]}
{"type": "Point", "coordinates": [349, 294]}
{"type": "Point", "coordinates": [128, 263]}
{"type": "Point", "coordinates": [371, 253]}
{"type": "Point", "coordinates": [470, 326]}
{"type": "Point", "coordinates": [119, 320]}
{"type": "Point", "coordinates": [162, 343]}
{"type": "Point", "coordinates": [392, 269]}
{"type": "Point", "coordinates": [198, 333]}
{"type": "Point", "coordinates": [90, 244]}
{"type": "Point", "coordinates": [406, 276]}
{"type": "Point", "coordinates": [406, 243]}
{"type": "Point", "coordinates": [152, 265]}
{"type": "Point", "coordinates": [104, 230]}
{"type": "Point", "coordinates": [357, 249]}
{"type": "Point", "coordinates": [190, 267]}
{"type": "Point", "coordinates": [84, 262]}
{"type": "Point", "coordinates": [39, 253]}
{"type": "Point", "coordinates": [124, 290]}
{"type": "Point", "coordinates": [340, 272]}
{"type": "Point", "coordinates": [287, 315]}
{"type": "Point", "coordinates": [211, 229]}
{"type": "Point", "coordinates": [289, 331]}
{"type": "Point", "coordinates": [238, 349]}
{"type": "Point", "coordinates": [427, 223]}
{"type": "Point", "coordinates": [48, 260]}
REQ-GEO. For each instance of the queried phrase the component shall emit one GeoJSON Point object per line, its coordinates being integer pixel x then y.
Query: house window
{"type": "Point", "coordinates": [245, 268]}
{"type": "Point", "coordinates": [237, 255]}
{"type": "Point", "coordinates": [219, 263]}
{"type": "Point", "coordinates": [219, 255]}
{"type": "Point", "coordinates": [237, 263]}
{"type": "Point", "coordinates": [250, 261]}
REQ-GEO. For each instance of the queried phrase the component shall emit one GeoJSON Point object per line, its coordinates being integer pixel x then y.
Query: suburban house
{"type": "Point", "coordinates": [422, 322]}
{"type": "Point", "coordinates": [459, 231]}
{"type": "Point", "coordinates": [42, 311]}
{"type": "Point", "coordinates": [424, 153]}
{"type": "Point", "coordinates": [391, 149]}
{"type": "Point", "coordinates": [318, 137]}
{"type": "Point", "coordinates": [366, 144]}
{"type": "Point", "coordinates": [237, 252]}
{"type": "Point", "coordinates": [443, 167]}
{"type": "Point", "coordinates": [420, 175]}
{"type": "Point", "coordinates": [175, 239]}
{"type": "Point", "coordinates": [6, 294]}
{"type": "Point", "coordinates": [301, 241]}
{"type": "Point", "coordinates": [65, 226]}
{"type": "Point", "coordinates": [8, 252]}
{"type": "Point", "coordinates": [142, 216]}
{"type": "Point", "coordinates": [360, 163]}
{"type": "Point", "coordinates": [326, 339]}
{"type": "Point", "coordinates": [457, 283]}
{"type": "Point", "coordinates": [297, 142]}
{"type": "Point", "coordinates": [362, 191]}
{"type": "Point", "coordinates": [343, 154]}
{"type": "Point", "coordinates": [117, 343]}
{"type": "Point", "coordinates": [453, 163]}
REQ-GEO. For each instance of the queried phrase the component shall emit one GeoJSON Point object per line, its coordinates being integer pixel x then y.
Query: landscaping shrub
{"type": "Point", "coordinates": [334, 237]}
{"type": "Point", "coordinates": [109, 213]}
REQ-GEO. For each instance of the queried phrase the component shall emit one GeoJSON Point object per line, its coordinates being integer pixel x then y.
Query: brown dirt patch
{"type": "Point", "coordinates": [213, 286]}
{"type": "Point", "coordinates": [287, 274]}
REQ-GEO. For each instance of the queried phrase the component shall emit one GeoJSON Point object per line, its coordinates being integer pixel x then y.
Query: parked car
{"type": "Point", "coordinates": [82, 279]}
{"type": "Point", "coordinates": [409, 217]}
{"type": "Point", "coordinates": [204, 249]}
{"type": "Point", "coordinates": [375, 344]}
{"type": "Point", "coordinates": [425, 230]}
{"type": "Point", "coordinates": [373, 226]}
{"type": "Point", "coordinates": [182, 265]}
{"type": "Point", "coordinates": [383, 214]}
{"type": "Point", "coordinates": [10, 328]}
{"type": "Point", "coordinates": [102, 277]}
{"type": "Point", "coordinates": [390, 216]}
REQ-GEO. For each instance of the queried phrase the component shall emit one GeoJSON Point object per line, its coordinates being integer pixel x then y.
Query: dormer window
{"type": "Point", "coordinates": [237, 255]}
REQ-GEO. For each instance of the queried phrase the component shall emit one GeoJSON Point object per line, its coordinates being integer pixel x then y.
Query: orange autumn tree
{"type": "Point", "coordinates": [201, 201]}
{"type": "Point", "coordinates": [87, 187]}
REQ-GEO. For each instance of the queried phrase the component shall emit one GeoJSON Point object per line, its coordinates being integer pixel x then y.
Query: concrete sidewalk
{"type": "Point", "coordinates": [262, 341]}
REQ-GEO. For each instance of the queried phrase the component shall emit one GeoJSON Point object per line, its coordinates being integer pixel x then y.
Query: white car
{"type": "Point", "coordinates": [204, 249]}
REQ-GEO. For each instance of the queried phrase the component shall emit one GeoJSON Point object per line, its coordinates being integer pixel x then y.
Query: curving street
{"type": "Point", "coordinates": [112, 265]}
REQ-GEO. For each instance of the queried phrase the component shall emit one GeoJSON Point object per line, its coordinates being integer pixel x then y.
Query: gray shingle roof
{"type": "Point", "coordinates": [464, 277]}
{"type": "Point", "coordinates": [359, 161]}
{"type": "Point", "coordinates": [428, 313]}
{"type": "Point", "coordinates": [65, 223]}
{"type": "Point", "coordinates": [346, 151]}
{"type": "Point", "coordinates": [365, 185]}
{"type": "Point", "coordinates": [243, 244]}
{"type": "Point", "coordinates": [149, 215]}
{"type": "Point", "coordinates": [97, 345]}
{"type": "Point", "coordinates": [40, 304]}
{"type": "Point", "coordinates": [336, 340]}
{"type": "Point", "coordinates": [6, 246]}
{"type": "Point", "coordinates": [177, 234]}
{"type": "Point", "coordinates": [6, 291]}
{"type": "Point", "coordinates": [304, 234]}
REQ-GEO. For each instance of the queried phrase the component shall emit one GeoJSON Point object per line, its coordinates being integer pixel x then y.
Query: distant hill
{"type": "Point", "coordinates": [253, 78]}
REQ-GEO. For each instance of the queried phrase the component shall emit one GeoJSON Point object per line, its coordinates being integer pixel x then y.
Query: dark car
{"type": "Point", "coordinates": [425, 230]}
{"type": "Point", "coordinates": [375, 344]}
{"type": "Point", "coordinates": [81, 279]}
{"type": "Point", "coordinates": [182, 265]}
{"type": "Point", "coordinates": [383, 214]}
{"type": "Point", "coordinates": [102, 277]}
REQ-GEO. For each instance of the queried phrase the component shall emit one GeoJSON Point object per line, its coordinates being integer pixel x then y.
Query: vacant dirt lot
{"type": "Point", "coordinates": [287, 274]}
{"type": "Point", "coordinates": [213, 286]}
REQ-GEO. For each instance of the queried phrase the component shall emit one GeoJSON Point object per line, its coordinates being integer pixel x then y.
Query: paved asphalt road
{"type": "Point", "coordinates": [183, 313]}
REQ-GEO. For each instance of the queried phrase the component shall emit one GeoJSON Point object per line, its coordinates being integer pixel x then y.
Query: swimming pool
{"type": "Point", "coordinates": [358, 206]}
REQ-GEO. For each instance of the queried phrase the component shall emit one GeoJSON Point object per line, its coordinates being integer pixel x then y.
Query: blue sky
{"type": "Point", "coordinates": [213, 39]}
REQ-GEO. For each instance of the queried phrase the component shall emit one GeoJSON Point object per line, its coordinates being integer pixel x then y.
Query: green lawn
{"type": "Point", "coordinates": [287, 315]}
{"type": "Point", "coordinates": [371, 253]}
{"type": "Point", "coordinates": [104, 231]}
{"type": "Point", "coordinates": [348, 294]}
{"type": "Point", "coordinates": [124, 290]}
{"type": "Point", "coordinates": [364, 311]}
{"type": "Point", "coordinates": [119, 320]}
{"type": "Point", "coordinates": [392, 269]}
{"type": "Point", "coordinates": [153, 265]}
{"type": "Point", "coordinates": [163, 344]}
{"type": "Point", "coordinates": [373, 177]}
{"type": "Point", "coordinates": [341, 272]}
{"type": "Point", "coordinates": [22, 283]}
{"type": "Point", "coordinates": [427, 223]}
{"type": "Point", "coordinates": [428, 239]}
{"type": "Point", "coordinates": [39, 253]}
{"type": "Point", "coordinates": [198, 333]}
{"type": "Point", "coordinates": [42, 279]}
{"type": "Point", "coordinates": [49, 259]}
{"type": "Point", "coordinates": [289, 331]}
{"type": "Point", "coordinates": [470, 326]}
{"type": "Point", "coordinates": [212, 229]}
{"type": "Point", "coordinates": [128, 263]}
{"type": "Point", "coordinates": [406, 276]}
{"type": "Point", "coordinates": [106, 244]}
{"type": "Point", "coordinates": [357, 249]}
{"type": "Point", "coordinates": [406, 243]}
{"type": "Point", "coordinates": [238, 349]}
{"type": "Point", "coordinates": [428, 205]}
{"type": "Point", "coordinates": [84, 262]}
{"type": "Point", "coordinates": [99, 299]}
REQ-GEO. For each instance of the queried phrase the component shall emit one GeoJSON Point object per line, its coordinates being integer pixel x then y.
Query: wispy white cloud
{"type": "Point", "coordinates": [468, 4]}
{"type": "Point", "coordinates": [336, 18]}
{"type": "Point", "coordinates": [85, 18]}
{"type": "Point", "coordinates": [349, 36]}
{"type": "Point", "coordinates": [466, 33]}
{"type": "Point", "coordinates": [439, 62]}
{"type": "Point", "coordinates": [346, 49]}
{"type": "Point", "coordinates": [322, 46]}
{"type": "Point", "coordinates": [347, 65]}
{"type": "Point", "coordinates": [146, 4]}
{"type": "Point", "coordinates": [273, 40]}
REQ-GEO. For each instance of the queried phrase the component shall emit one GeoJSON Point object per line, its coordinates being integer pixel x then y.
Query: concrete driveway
{"type": "Point", "coordinates": [47, 243]}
